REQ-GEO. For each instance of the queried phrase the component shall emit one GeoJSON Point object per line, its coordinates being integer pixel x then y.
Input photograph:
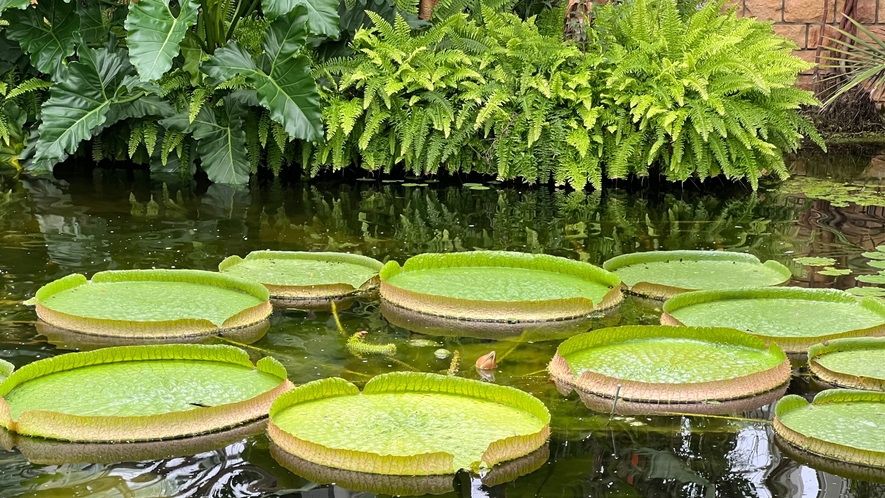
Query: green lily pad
{"type": "Point", "coordinates": [877, 263]}
{"type": "Point", "coordinates": [812, 261]}
{"type": "Point", "coordinates": [841, 424]}
{"type": "Point", "coordinates": [663, 274]}
{"type": "Point", "coordinates": [866, 291]}
{"type": "Point", "coordinates": [139, 393]}
{"type": "Point", "coordinates": [305, 278]}
{"type": "Point", "coordinates": [793, 318]}
{"type": "Point", "coordinates": [874, 255]}
{"type": "Point", "coordinates": [6, 369]}
{"type": "Point", "coordinates": [499, 286]}
{"type": "Point", "coordinates": [834, 272]}
{"type": "Point", "coordinates": [152, 303]}
{"type": "Point", "coordinates": [854, 363]}
{"type": "Point", "coordinates": [408, 424]}
{"type": "Point", "coordinates": [670, 364]}
{"type": "Point", "coordinates": [872, 279]}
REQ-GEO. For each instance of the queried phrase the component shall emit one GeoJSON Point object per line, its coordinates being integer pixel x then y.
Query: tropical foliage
{"type": "Point", "coordinates": [698, 95]}
{"type": "Point", "coordinates": [229, 84]}
{"type": "Point", "coordinates": [161, 82]}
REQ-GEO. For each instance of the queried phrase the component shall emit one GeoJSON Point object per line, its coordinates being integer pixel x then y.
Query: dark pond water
{"type": "Point", "coordinates": [92, 220]}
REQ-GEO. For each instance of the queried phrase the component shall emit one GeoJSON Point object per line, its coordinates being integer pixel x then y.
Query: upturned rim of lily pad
{"type": "Point", "coordinates": [820, 447]}
{"type": "Point", "coordinates": [311, 296]}
{"type": "Point", "coordinates": [843, 378]}
{"type": "Point", "coordinates": [70, 340]}
{"type": "Point", "coordinates": [788, 344]}
{"type": "Point", "coordinates": [170, 425]}
{"type": "Point", "coordinates": [499, 311]}
{"type": "Point", "coordinates": [669, 394]}
{"type": "Point", "coordinates": [829, 465]}
{"type": "Point", "coordinates": [405, 485]}
{"type": "Point", "coordinates": [424, 464]}
{"type": "Point", "coordinates": [659, 290]}
{"type": "Point", "coordinates": [51, 452]}
{"type": "Point", "coordinates": [423, 323]}
{"type": "Point", "coordinates": [184, 327]}
{"type": "Point", "coordinates": [623, 407]}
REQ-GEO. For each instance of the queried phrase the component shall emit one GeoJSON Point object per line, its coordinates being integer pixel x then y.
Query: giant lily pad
{"type": "Point", "coordinates": [663, 274]}
{"type": "Point", "coordinates": [152, 303]}
{"type": "Point", "coordinates": [139, 393]}
{"type": "Point", "coordinates": [306, 279]}
{"type": "Point", "coordinates": [841, 424]}
{"type": "Point", "coordinates": [408, 423]}
{"type": "Point", "coordinates": [670, 366]}
{"type": "Point", "coordinates": [855, 363]}
{"type": "Point", "coordinates": [499, 286]}
{"type": "Point", "coordinates": [793, 318]}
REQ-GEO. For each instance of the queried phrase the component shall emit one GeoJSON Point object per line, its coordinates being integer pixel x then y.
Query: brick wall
{"type": "Point", "coordinates": [799, 20]}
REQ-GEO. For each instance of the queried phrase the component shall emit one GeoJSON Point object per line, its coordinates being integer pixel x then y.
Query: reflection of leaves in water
{"type": "Point", "coordinates": [839, 194]}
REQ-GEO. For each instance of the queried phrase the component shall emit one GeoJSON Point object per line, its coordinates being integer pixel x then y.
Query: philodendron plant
{"type": "Point", "coordinates": [162, 81]}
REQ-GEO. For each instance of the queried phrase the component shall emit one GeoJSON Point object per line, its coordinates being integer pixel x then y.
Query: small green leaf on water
{"type": "Point", "coordinates": [834, 272]}
{"type": "Point", "coordinates": [813, 261]}
{"type": "Point", "coordinates": [872, 279]}
{"type": "Point", "coordinates": [880, 248]}
{"type": "Point", "coordinates": [877, 263]}
{"type": "Point", "coordinates": [867, 291]}
{"type": "Point", "coordinates": [874, 255]}
{"type": "Point", "coordinates": [480, 187]}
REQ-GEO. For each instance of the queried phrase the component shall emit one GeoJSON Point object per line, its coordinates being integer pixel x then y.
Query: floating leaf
{"type": "Point", "coordinates": [409, 424]}
{"type": "Point", "coordinates": [794, 318]}
{"type": "Point", "coordinates": [499, 286]}
{"type": "Point", "coordinates": [305, 276]}
{"type": "Point", "coordinates": [855, 363]}
{"type": "Point", "coordinates": [877, 263]}
{"type": "Point", "coordinates": [842, 424]}
{"type": "Point", "coordinates": [663, 274]}
{"type": "Point", "coordinates": [152, 302]}
{"type": "Point", "coordinates": [139, 393]}
{"type": "Point", "coordinates": [872, 279]}
{"type": "Point", "coordinates": [666, 365]}
{"type": "Point", "coordinates": [813, 261]}
{"type": "Point", "coordinates": [867, 291]}
{"type": "Point", "coordinates": [834, 272]}
{"type": "Point", "coordinates": [874, 255]}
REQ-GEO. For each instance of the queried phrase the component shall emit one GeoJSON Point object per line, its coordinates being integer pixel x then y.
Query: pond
{"type": "Point", "coordinates": [90, 220]}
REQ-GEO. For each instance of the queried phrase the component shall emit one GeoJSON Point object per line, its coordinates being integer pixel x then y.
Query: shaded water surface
{"type": "Point", "coordinates": [115, 219]}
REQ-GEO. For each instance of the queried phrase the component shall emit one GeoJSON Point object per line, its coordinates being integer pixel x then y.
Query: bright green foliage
{"type": "Point", "coordinates": [154, 34]}
{"type": "Point", "coordinates": [696, 95]}
{"type": "Point", "coordinates": [104, 92]}
{"type": "Point", "coordinates": [46, 31]}
{"type": "Point", "coordinates": [283, 80]}
{"type": "Point", "coordinates": [705, 95]}
{"type": "Point", "coordinates": [302, 268]}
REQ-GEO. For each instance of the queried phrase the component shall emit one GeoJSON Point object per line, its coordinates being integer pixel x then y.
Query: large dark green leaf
{"type": "Point", "coordinates": [78, 103]}
{"type": "Point", "coordinates": [93, 30]}
{"type": "Point", "coordinates": [322, 15]}
{"type": "Point", "coordinates": [284, 83]}
{"type": "Point", "coordinates": [46, 32]}
{"type": "Point", "coordinates": [155, 33]}
{"type": "Point", "coordinates": [221, 143]}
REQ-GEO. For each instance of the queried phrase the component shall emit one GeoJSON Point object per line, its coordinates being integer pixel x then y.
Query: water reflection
{"type": "Point", "coordinates": [117, 219]}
